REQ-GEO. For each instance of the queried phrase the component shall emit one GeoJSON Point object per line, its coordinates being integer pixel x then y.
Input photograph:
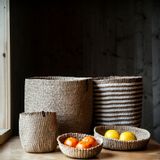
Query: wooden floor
{"type": "Point", "coordinates": [12, 150]}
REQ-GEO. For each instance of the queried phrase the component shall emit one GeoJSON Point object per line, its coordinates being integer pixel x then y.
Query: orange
{"type": "Point", "coordinates": [71, 141]}
{"type": "Point", "coordinates": [90, 140]}
{"type": "Point", "coordinates": [83, 145]}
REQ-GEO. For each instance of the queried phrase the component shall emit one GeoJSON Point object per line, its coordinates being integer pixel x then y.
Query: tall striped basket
{"type": "Point", "coordinates": [118, 100]}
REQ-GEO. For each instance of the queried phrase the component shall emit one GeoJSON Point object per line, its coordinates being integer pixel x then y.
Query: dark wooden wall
{"type": "Point", "coordinates": [80, 38]}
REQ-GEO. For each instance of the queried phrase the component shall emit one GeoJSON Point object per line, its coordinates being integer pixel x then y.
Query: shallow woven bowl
{"type": "Point", "coordinates": [79, 153]}
{"type": "Point", "coordinates": [142, 135]}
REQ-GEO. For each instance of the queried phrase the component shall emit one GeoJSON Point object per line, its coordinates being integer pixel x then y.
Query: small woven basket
{"type": "Point", "coordinates": [38, 131]}
{"type": "Point", "coordinates": [118, 100]}
{"type": "Point", "coordinates": [79, 153]}
{"type": "Point", "coordinates": [69, 97]}
{"type": "Point", "coordinates": [142, 135]}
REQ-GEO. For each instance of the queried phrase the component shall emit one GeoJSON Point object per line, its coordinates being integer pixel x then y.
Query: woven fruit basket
{"type": "Point", "coordinates": [142, 135]}
{"type": "Point", "coordinates": [79, 153]}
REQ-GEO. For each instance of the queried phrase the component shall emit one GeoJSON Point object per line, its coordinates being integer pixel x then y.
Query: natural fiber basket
{"type": "Point", "coordinates": [79, 153]}
{"type": "Point", "coordinates": [69, 97]}
{"type": "Point", "coordinates": [118, 100]}
{"type": "Point", "coordinates": [142, 135]}
{"type": "Point", "coordinates": [38, 131]}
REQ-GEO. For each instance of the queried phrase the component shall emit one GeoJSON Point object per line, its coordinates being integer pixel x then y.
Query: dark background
{"type": "Point", "coordinates": [87, 38]}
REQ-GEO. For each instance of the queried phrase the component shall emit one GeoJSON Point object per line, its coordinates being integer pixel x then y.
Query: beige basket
{"type": "Point", "coordinates": [79, 153]}
{"type": "Point", "coordinates": [142, 135]}
{"type": "Point", "coordinates": [38, 131]}
{"type": "Point", "coordinates": [69, 97]}
{"type": "Point", "coordinates": [118, 100]}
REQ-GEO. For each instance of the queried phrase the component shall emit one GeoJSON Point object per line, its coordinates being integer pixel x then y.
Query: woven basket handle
{"type": "Point", "coordinates": [43, 114]}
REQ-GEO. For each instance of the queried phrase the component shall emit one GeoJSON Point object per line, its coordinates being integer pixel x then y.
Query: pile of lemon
{"type": "Point", "coordinates": [124, 136]}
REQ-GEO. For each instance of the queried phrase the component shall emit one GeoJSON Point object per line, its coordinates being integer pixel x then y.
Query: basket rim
{"type": "Point", "coordinates": [74, 134]}
{"type": "Point", "coordinates": [36, 113]}
{"type": "Point", "coordinates": [119, 126]}
{"type": "Point", "coordinates": [58, 78]}
{"type": "Point", "coordinates": [118, 79]}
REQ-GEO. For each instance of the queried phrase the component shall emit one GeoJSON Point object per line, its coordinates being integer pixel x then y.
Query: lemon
{"type": "Point", "coordinates": [113, 134]}
{"type": "Point", "coordinates": [127, 136]}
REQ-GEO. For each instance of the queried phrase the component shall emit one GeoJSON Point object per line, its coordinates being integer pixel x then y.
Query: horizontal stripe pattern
{"type": "Point", "coordinates": [117, 103]}
{"type": "Point", "coordinates": [117, 89]}
{"type": "Point", "coordinates": [118, 122]}
{"type": "Point", "coordinates": [118, 97]}
{"type": "Point", "coordinates": [131, 122]}
{"type": "Point", "coordinates": [101, 85]}
{"type": "Point", "coordinates": [117, 109]}
{"type": "Point", "coordinates": [117, 114]}
{"type": "Point", "coordinates": [134, 105]}
{"type": "Point", "coordinates": [129, 92]}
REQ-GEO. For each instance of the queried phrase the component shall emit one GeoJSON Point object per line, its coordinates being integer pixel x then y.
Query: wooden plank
{"type": "Point", "coordinates": [4, 135]}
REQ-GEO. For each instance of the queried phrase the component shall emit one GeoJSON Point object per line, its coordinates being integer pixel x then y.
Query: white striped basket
{"type": "Point", "coordinates": [37, 131]}
{"type": "Point", "coordinates": [118, 100]}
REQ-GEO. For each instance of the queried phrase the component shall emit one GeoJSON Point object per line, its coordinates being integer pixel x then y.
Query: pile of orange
{"type": "Point", "coordinates": [85, 143]}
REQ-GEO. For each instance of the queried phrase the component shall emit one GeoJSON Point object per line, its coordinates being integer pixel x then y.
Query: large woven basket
{"type": "Point", "coordinates": [142, 136]}
{"type": "Point", "coordinates": [79, 153]}
{"type": "Point", "coordinates": [118, 100]}
{"type": "Point", "coordinates": [69, 97]}
{"type": "Point", "coordinates": [37, 131]}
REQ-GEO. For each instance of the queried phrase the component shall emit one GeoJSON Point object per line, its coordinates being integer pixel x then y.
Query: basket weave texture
{"type": "Point", "coordinates": [118, 100]}
{"type": "Point", "coordinates": [38, 131]}
{"type": "Point", "coordinates": [79, 153]}
{"type": "Point", "coordinates": [69, 97]}
{"type": "Point", "coordinates": [143, 137]}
